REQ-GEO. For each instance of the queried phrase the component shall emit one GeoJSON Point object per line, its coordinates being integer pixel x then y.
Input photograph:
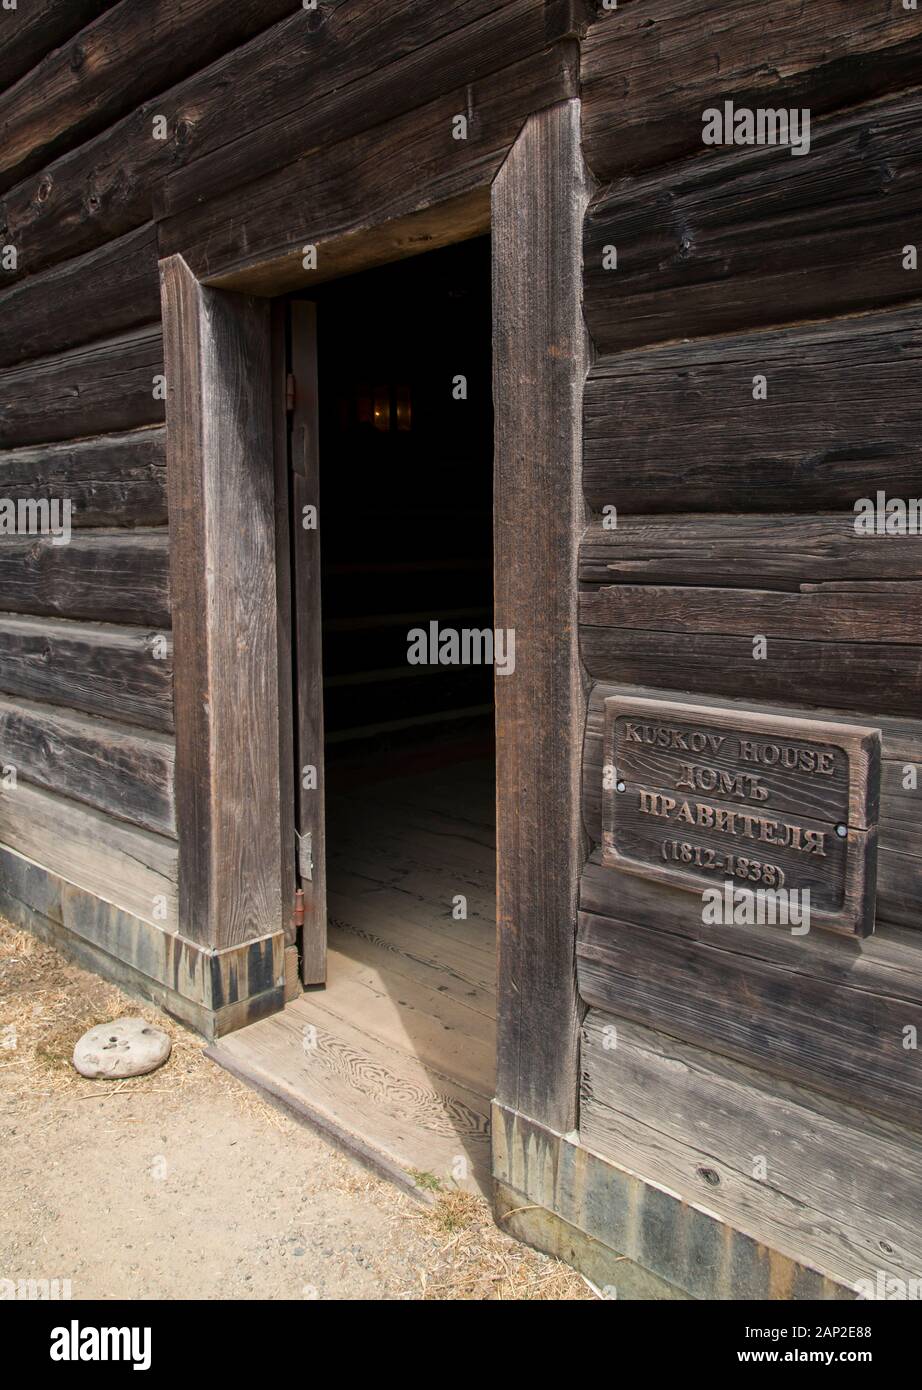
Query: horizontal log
{"type": "Point", "coordinates": [648, 71]}
{"type": "Point", "coordinates": [899, 858]}
{"type": "Point", "coordinates": [102, 293]}
{"type": "Point", "coordinates": [677, 429]}
{"type": "Point", "coordinates": [693, 1122]}
{"type": "Point", "coordinates": [112, 767]}
{"type": "Point", "coordinates": [874, 611]}
{"type": "Point", "coordinates": [210, 991]}
{"type": "Point", "coordinates": [104, 188]}
{"type": "Point", "coordinates": [757, 237]}
{"type": "Point", "coordinates": [842, 1036]}
{"type": "Point", "coordinates": [855, 675]}
{"type": "Point", "coordinates": [774, 551]}
{"type": "Point", "coordinates": [105, 387]}
{"type": "Point", "coordinates": [135, 49]}
{"type": "Point", "coordinates": [369, 183]}
{"type": "Point", "coordinates": [34, 29]}
{"type": "Point", "coordinates": [111, 480]}
{"type": "Point", "coordinates": [118, 673]}
{"type": "Point", "coordinates": [128, 867]}
{"type": "Point", "coordinates": [115, 576]}
{"type": "Point", "coordinates": [436, 48]}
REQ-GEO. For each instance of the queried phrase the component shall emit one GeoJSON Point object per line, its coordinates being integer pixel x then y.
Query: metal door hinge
{"type": "Point", "coordinates": [305, 855]}
{"type": "Point", "coordinates": [290, 392]}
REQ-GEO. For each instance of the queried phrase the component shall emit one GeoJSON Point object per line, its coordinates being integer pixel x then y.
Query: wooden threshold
{"type": "Point", "coordinates": [395, 1057]}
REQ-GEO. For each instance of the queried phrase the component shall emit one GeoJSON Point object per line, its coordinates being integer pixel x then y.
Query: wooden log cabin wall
{"type": "Point", "coordinates": [707, 356]}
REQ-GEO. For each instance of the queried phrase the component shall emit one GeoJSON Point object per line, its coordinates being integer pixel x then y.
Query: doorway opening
{"type": "Point", "coordinates": [403, 1026]}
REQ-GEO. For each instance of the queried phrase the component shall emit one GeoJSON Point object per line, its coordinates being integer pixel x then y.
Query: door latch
{"type": "Point", "coordinates": [305, 855]}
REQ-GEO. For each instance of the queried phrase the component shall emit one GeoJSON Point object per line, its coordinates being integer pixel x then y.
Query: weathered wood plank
{"type": "Point", "coordinates": [103, 188]}
{"type": "Point", "coordinates": [105, 387]}
{"type": "Point", "coordinates": [282, 514]}
{"type": "Point", "coordinates": [110, 480]}
{"type": "Point", "coordinates": [685, 1243]}
{"type": "Point", "coordinates": [886, 963]}
{"type": "Point", "coordinates": [397, 170]}
{"type": "Point", "coordinates": [766, 551]}
{"type": "Point", "coordinates": [119, 673]}
{"type": "Point", "coordinates": [34, 29]}
{"type": "Point", "coordinates": [220, 483]}
{"type": "Point", "coordinates": [308, 638]}
{"type": "Point", "coordinates": [135, 49]}
{"type": "Point", "coordinates": [756, 237]}
{"type": "Point", "coordinates": [112, 767]}
{"type": "Point", "coordinates": [433, 47]}
{"type": "Point", "coordinates": [676, 429]}
{"type": "Point", "coordinates": [873, 611]}
{"type": "Point", "coordinates": [698, 1124]}
{"type": "Point", "coordinates": [855, 675]}
{"type": "Point", "coordinates": [130, 868]}
{"type": "Point", "coordinates": [899, 859]}
{"type": "Point", "coordinates": [104, 292]}
{"type": "Point", "coordinates": [538, 202]}
{"type": "Point", "coordinates": [109, 575]}
{"type": "Point", "coordinates": [648, 71]}
{"type": "Point", "coordinates": [722, 992]}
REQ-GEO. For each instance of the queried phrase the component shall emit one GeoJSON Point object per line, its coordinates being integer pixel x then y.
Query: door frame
{"type": "Point", "coordinates": [226, 424]}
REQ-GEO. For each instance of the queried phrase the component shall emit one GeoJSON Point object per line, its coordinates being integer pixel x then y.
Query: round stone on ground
{"type": "Point", "coordinates": [127, 1047]}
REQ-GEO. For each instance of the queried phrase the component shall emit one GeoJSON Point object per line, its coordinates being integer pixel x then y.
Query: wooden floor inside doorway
{"type": "Point", "coordinates": [395, 1057]}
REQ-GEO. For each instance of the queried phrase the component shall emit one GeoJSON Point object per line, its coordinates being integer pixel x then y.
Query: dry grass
{"type": "Point", "coordinates": [474, 1259]}
{"type": "Point", "coordinates": [46, 1003]}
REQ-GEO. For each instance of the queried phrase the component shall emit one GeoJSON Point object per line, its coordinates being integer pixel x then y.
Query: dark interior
{"type": "Point", "coordinates": [406, 503]}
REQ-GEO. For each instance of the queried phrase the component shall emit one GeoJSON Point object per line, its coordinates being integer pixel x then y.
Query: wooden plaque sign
{"type": "Point", "coordinates": [697, 795]}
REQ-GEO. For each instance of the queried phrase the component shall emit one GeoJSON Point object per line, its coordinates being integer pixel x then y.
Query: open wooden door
{"type": "Point", "coordinates": [308, 657]}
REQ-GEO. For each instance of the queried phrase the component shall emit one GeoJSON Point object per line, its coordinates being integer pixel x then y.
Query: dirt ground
{"type": "Point", "coordinates": [185, 1184]}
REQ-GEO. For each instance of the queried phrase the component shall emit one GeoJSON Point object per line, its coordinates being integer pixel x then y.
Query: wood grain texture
{"type": "Point", "coordinates": [130, 868]}
{"type": "Point", "coordinates": [308, 638]}
{"type": "Point", "coordinates": [104, 387]}
{"type": "Point", "coordinates": [104, 292]}
{"type": "Point", "coordinates": [724, 992]}
{"type": "Point", "coordinates": [870, 611]}
{"type": "Point", "coordinates": [697, 1123]}
{"type": "Point", "coordinates": [113, 767]}
{"type": "Point", "coordinates": [432, 47]}
{"type": "Point", "coordinates": [133, 50]}
{"type": "Point", "coordinates": [676, 429]}
{"type": "Point", "coordinates": [757, 237]}
{"type": "Point", "coordinates": [116, 672]}
{"type": "Point", "coordinates": [110, 480]}
{"type": "Point", "coordinates": [104, 187]}
{"type": "Point", "coordinates": [766, 551]}
{"type": "Point", "coordinates": [538, 202]}
{"type": "Point", "coordinates": [34, 29]}
{"type": "Point", "coordinates": [648, 71]}
{"type": "Point", "coordinates": [899, 859]}
{"type": "Point", "coordinates": [398, 169]}
{"type": "Point", "coordinates": [110, 575]}
{"type": "Point", "coordinates": [221, 494]}
{"type": "Point", "coordinates": [684, 1243]}
{"type": "Point", "coordinates": [286, 730]}
{"type": "Point", "coordinates": [884, 677]}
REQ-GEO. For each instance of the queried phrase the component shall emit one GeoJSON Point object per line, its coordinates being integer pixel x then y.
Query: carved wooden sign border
{"type": "Point", "coordinates": [696, 796]}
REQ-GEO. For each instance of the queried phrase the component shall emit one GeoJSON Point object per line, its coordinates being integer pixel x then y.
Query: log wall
{"type": "Point", "coordinates": [755, 333]}
{"type": "Point", "coordinates": [135, 131]}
